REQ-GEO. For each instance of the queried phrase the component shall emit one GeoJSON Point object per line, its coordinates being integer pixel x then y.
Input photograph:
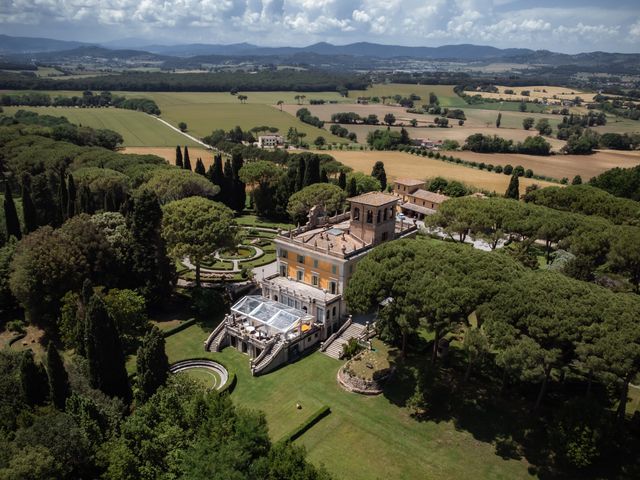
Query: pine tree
{"type": "Point", "coordinates": [179, 163]}
{"type": "Point", "coordinates": [323, 176]}
{"type": "Point", "coordinates": [12, 222]}
{"type": "Point", "coordinates": [187, 162]}
{"type": "Point", "coordinates": [513, 190]}
{"type": "Point", "coordinates": [300, 174]}
{"type": "Point", "coordinates": [105, 357]}
{"type": "Point", "coordinates": [58, 378]}
{"type": "Point", "coordinates": [29, 214]}
{"type": "Point", "coordinates": [32, 381]}
{"type": "Point", "coordinates": [379, 173]}
{"type": "Point", "coordinates": [63, 197]}
{"type": "Point", "coordinates": [71, 201]}
{"type": "Point", "coordinates": [342, 180]}
{"type": "Point", "coordinates": [352, 191]}
{"type": "Point", "coordinates": [152, 365]}
{"type": "Point", "coordinates": [152, 270]}
{"type": "Point", "coordinates": [200, 167]}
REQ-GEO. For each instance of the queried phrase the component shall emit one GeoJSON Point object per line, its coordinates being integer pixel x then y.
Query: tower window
{"type": "Point", "coordinates": [356, 213]}
{"type": "Point", "coordinates": [369, 216]}
{"type": "Point", "coordinates": [379, 212]}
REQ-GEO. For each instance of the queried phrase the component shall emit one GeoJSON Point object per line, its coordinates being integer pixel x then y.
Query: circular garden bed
{"type": "Point", "coordinates": [210, 374]}
{"type": "Point", "coordinates": [366, 373]}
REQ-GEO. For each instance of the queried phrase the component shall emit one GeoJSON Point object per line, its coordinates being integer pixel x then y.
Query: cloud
{"type": "Point", "coordinates": [505, 23]}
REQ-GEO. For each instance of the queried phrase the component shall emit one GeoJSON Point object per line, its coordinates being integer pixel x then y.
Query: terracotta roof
{"type": "Point", "coordinates": [417, 208]}
{"type": "Point", "coordinates": [375, 199]}
{"type": "Point", "coordinates": [429, 196]}
{"type": "Point", "coordinates": [409, 181]}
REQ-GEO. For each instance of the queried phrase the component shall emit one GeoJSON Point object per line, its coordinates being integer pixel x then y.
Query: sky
{"type": "Point", "coordinates": [569, 26]}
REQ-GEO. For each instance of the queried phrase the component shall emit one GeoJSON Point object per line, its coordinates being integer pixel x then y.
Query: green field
{"type": "Point", "coordinates": [363, 437]}
{"type": "Point", "coordinates": [445, 93]}
{"type": "Point", "coordinates": [136, 128]}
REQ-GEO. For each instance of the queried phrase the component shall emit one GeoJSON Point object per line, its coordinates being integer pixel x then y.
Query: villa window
{"type": "Point", "coordinates": [356, 213]}
{"type": "Point", "coordinates": [369, 216]}
{"type": "Point", "coordinates": [300, 275]}
{"type": "Point", "coordinates": [300, 258]}
{"type": "Point", "coordinates": [385, 236]}
{"type": "Point", "coordinates": [334, 269]}
{"type": "Point", "coordinates": [334, 312]}
{"type": "Point", "coordinates": [314, 280]}
{"type": "Point", "coordinates": [275, 297]}
{"type": "Point", "coordinates": [283, 254]}
{"type": "Point", "coordinates": [333, 287]}
{"type": "Point", "coordinates": [315, 264]}
{"type": "Point", "coordinates": [283, 270]}
{"type": "Point", "coordinates": [320, 314]}
{"type": "Point", "coordinates": [385, 214]}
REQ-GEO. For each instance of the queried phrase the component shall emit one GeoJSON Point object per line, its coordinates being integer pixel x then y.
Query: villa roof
{"type": "Point", "coordinates": [410, 182]}
{"type": "Point", "coordinates": [374, 199]}
{"type": "Point", "coordinates": [418, 209]}
{"type": "Point", "coordinates": [429, 196]}
{"type": "Point", "coordinates": [335, 238]}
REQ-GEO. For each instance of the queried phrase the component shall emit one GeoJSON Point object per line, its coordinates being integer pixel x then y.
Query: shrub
{"type": "Point", "coordinates": [507, 170]}
{"type": "Point", "coordinates": [16, 326]}
{"type": "Point", "coordinates": [498, 169]}
{"type": "Point", "coordinates": [351, 348]}
{"type": "Point", "coordinates": [307, 424]}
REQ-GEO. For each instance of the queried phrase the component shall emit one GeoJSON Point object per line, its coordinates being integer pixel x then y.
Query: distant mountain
{"type": "Point", "coordinates": [362, 49]}
{"type": "Point", "coordinates": [92, 52]}
{"type": "Point", "coordinates": [13, 45]}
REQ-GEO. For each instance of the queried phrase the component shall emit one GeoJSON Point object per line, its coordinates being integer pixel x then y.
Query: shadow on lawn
{"type": "Point", "coordinates": [501, 416]}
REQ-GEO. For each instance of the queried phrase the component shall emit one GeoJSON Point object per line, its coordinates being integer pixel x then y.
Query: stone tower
{"type": "Point", "coordinates": [373, 217]}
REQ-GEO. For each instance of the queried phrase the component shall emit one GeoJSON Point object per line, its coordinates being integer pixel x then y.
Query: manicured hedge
{"type": "Point", "coordinates": [179, 328]}
{"type": "Point", "coordinates": [307, 424]}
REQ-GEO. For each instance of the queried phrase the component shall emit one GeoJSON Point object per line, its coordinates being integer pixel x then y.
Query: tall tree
{"type": "Point", "coordinates": [32, 380]}
{"type": "Point", "coordinates": [238, 187]}
{"type": "Point", "coordinates": [46, 211]}
{"type": "Point", "coordinates": [342, 180]}
{"type": "Point", "coordinates": [499, 120]}
{"type": "Point", "coordinates": [300, 174]}
{"type": "Point", "coordinates": [29, 214]}
{"type": "Point", "coordinates": [58, 378]}
{"type": "Point", "coordinates": [196, 227]}
{"type": "Point", "coordinates": [200, 167]}
{"type": "Point", "coordinates": [379, 173]}
{"type": "Point", "coordinates": [152, 365]}
{"type": "Point", "coordinates": [312, 171]}
{"type": "Point", "coordinates": [513, 190]}
{"type": "Point", "coordinates": [179, 162]}
{"type": "Point", "coordinates": [63, 197]}
{"type": "Point", "coordinates": [216, 172]}
{"type": "Point", "coordinates": [323, 176]}
{"type": "Point", "coordinates": [187, 162]}
{"type": "Point", "coordinates": [12, 222]}
{"type": "Point", "coordinates": [352, 190]}
{"type": "Point", "coordinates": [71, 202]}
{"type": "Point", "coordinates": [152, 268]}
{"type": "Point", "coordinates": [105, 357]}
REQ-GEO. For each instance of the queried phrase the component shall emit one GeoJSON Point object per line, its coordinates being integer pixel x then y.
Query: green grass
{"type": "Point", "coordinates": [364, 437]}
{"type": "Point", "coordinates": [136, 128]}
{"type": "Point", "coordinates": [255, 221]}
{"type": "Point", "coordinates": [207, 378]}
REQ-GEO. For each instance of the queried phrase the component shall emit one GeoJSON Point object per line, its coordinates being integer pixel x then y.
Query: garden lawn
{"type": "Point", "coordinates": [363, 437]}
{"type": "Point", "coordinates": [137, 129]}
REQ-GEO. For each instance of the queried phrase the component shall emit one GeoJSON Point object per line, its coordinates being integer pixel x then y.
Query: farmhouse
{"type": "Point", "coordinates": [302, 304]}
{"type": "Point", "coordinates": [416, 201]}
{"type": "Point", "coordinates": [270, 141]}
{"type": "Point", "coordinates": [427, 143]}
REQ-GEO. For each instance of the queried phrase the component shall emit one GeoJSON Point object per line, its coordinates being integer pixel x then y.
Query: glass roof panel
{"type": "Point", "coordinates": [274, 314]}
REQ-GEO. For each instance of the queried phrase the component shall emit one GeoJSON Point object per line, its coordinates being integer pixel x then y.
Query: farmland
{"type": "Point", "coordinates": [554, 95]}
{"type": "Point", "coordinates": [445, 93]}
{"type": "Point", "coordinates": [169, 153]}
{"type": "Point", "coordinates": [136, 128]}
{"type": "Point", "coordinates": [559, 166]}
{"type": "Point", "coordinates": [400, 164]}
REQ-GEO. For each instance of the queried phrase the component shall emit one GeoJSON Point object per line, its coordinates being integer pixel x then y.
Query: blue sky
{"type": "Point", "coordinates": [558, 25]}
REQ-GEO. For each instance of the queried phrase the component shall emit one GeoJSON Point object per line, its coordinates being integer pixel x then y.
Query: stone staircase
{"type": "Point", "coordinates": [215, 339]}
{"type": "Point", "coordinates": [263, 361]}
{"type": "Point", "coordinates": [334, 349]}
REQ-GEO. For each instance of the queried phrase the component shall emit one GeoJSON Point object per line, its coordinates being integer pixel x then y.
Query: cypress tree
{"type": "Point", "coordinates": [513, 190]}
{"type": "Point", "coordinates": [499, 120]}
{"type": "Point", "coordinates": [32, 381]}
{"type": "Point", "coordinates": [12, 222]}
{"type": "Point", "coordinates": [58, 378]}
{"type": "Point", "coordinates": [300, 174]}
{"type": "Point", "coordinates": [216, 171]}
{"type": "Point", "coordinates": [352, 191]}
{"type": "Point", "coordinates": [227, 184]}
{"type": "Point", "coordinates": [379, 173]}
{"type": "Point", "coordinates": [105, 357]}
{"type": "Point", "coordinates": [323, 176]}
{"type": "Point", "coordinates": [179, 163]}
{"type": "Point", "coordinates": [153, 272]}
{"type": "Point", "coordinates": [152, 365]}
{"type": "Point", "coordinates": [63, 198]}
{"type": "Point", "coordinates": [187, 162]}
{"type": "Point", "coordinates": [200, 167]}
{"type": "Point", "coordinates": [28, 208]}
{"type": "Point", "coordinates": [312, 171]}
{"type": "Point", "coordinates": [342, 180]}
{"type": "Point", "coordinates": [238, 193]}
{"type": "Point", "coordinates": [46, 211]}
{"type": "Point", "coordinates": [71, 201]}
